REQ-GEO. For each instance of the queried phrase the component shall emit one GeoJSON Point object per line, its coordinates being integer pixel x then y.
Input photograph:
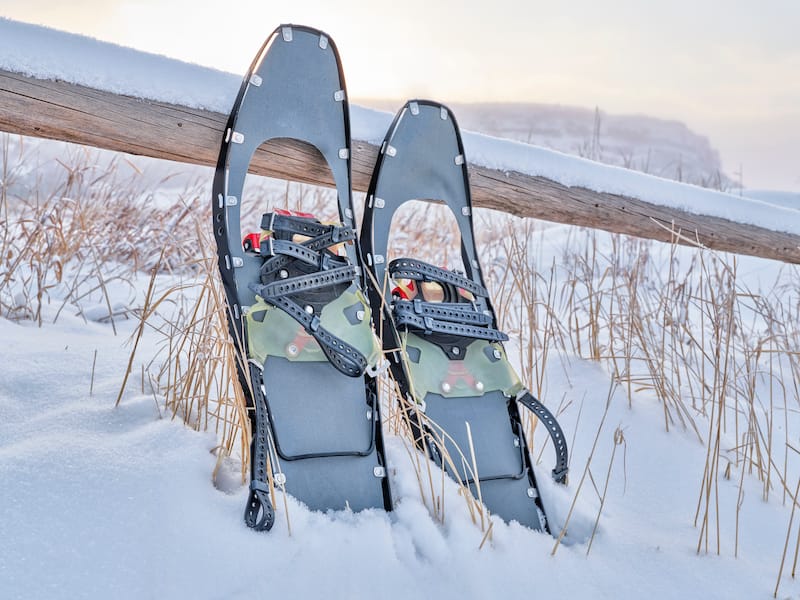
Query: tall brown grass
{"type": "Point", "coordinates": [722, 359]}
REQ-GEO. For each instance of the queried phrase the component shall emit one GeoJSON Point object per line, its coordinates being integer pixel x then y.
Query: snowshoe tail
{"type": "Point", "coordinates": [446, 351]}
{"type": "Point", "coordinates": [296, 310]}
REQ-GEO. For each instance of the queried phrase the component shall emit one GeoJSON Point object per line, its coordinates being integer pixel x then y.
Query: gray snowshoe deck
{"type": "Point", "coordinates": [316, 426]}
{"type": "Point", "coordinates": [452, 366]}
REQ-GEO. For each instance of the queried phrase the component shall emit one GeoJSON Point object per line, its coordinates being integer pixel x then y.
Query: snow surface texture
{"type": "Point", "coordinates": [49, 54]}
{"type": "Point", "coordinates": [98, 502]}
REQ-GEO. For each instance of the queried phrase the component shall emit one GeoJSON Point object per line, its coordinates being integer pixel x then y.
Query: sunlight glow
{"type": "Point", "coordinates": [729, 72]}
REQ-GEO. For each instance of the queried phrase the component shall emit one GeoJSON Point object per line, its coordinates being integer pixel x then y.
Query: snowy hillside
{"type": "Point", "coordinates": [663, 148]}
{"type": "Point", "coordinates": [674, 372]}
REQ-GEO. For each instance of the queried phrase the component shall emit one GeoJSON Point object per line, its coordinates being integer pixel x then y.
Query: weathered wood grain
{"type": "Point", "coordinates": [63, 111]}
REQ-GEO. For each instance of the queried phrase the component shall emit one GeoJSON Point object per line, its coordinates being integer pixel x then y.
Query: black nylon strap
{"type": "Point", "coordinates": [444, 311]}
{"type": "Point", "coordinates": [408, 268]}
{"type": "Point", "coordinates": [273, 247]}
{"type": "Point", "coordinates": [302, 226]}
{"type": "Point", "coordinates": [341, 355]}
{"type": "Point", "coordinates": [556, 434]}
{"type": "Point", "coordinates": [315, 244]}
{"type": "Point", "coordinates": [407, 318]}
{"type": "Point", "coordinates": [259, 513]}
{"type": "Point", "coordinates": [304, 283]}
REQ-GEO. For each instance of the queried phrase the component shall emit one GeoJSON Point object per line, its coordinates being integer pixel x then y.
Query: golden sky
{"type": "Point", "coordinates": [730, 69]}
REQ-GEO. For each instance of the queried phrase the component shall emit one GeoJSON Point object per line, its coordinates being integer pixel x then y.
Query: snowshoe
{"type": "Point", "coordinates": [439, 328]}
{"type": "Point", "coordinates": [296, 310]}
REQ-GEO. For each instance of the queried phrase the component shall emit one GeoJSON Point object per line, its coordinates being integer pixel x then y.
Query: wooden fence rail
{"type": "Point", "coordinates": [73, 113]}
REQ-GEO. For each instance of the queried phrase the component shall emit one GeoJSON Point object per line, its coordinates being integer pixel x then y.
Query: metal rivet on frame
{"type": "Point", "coordinates": [237, 138]}
{"type": "Point", "coordinates": [414, 108]}
{"type": "Point", "coordinates": [344, 153]}
{"type": "Point", "coordinates": [391, 150]}
{"type": "Point", "coordinates": [443, 113]}
{"type": "Point", "coordinates": [231, 200]}
{"type": "Point", "coordinates": [459, 160]}
{"type": "Point", "coordinates": [286, 32]}
{"type": "Point", "coordinates": [466, 211]}
{"type": "Point", "coordinates": [338, 95]}
{"type": "Point", "coordinates": [238, 262]}
{"type": "Point", "coordinates": [323, 41]}
{"type": "Point", "coordinates": [255, 79]}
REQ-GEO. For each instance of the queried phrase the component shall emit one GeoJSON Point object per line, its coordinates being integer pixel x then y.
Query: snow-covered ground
{"type": "Point", "coordinates": [100, 502]}
{"type": "Point", "coordinates": [788, 199]}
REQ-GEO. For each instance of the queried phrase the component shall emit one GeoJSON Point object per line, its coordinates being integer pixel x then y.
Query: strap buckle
{"type": "Point", "coordinates": [429, 326]}
{"type": "Point", "coordinates": [267, 246]}
{"type": "Point", "coordinates": [256, 485]}
{"type": "Point", "coordinates": [560, 475]}
{"type": "Point", "coordinates": [324, 261]}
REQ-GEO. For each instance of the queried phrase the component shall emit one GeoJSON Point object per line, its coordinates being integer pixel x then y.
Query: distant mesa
{"type": "Point", "coordinates": [664, 148]}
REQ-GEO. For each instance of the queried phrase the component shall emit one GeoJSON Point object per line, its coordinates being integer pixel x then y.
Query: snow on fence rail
{"type": "Point", "coordinates": [61, 110]}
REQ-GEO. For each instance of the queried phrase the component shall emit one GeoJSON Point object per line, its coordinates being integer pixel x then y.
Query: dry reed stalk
{"type": "Point", "coordinates": [619, 439]}
{"type": "Point", "coordinates": [693, 334]}
{"type": "Point", "coordinates": [786, 543]}
{"type": "Point", "coordinates": [91, 380]}
{"type": "Point", "coordinates": [563, 531]}
{"type": "Point", "coordinates": [139, 331]}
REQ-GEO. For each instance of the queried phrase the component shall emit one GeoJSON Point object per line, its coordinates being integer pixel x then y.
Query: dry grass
{"type": "Point", "coordinates": [723, 360]}
{"type": "Point", "coordinates": [68, 240]}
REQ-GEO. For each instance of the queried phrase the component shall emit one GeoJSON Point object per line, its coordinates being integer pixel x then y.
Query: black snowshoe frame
{"type": "Point", "coordinates": [295, 89]}
{"type": "Point", "coordinates": [422, 158]}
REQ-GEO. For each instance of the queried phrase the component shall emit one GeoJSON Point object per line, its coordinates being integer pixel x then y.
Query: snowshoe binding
{"type": "Point", "coordinates": [296, 310]}
{"type": "Point", "coordinates": [439, 328]}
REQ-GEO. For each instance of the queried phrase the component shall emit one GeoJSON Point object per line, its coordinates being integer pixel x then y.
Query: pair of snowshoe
{"type": "Point", "coordinates": [304, 326]}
